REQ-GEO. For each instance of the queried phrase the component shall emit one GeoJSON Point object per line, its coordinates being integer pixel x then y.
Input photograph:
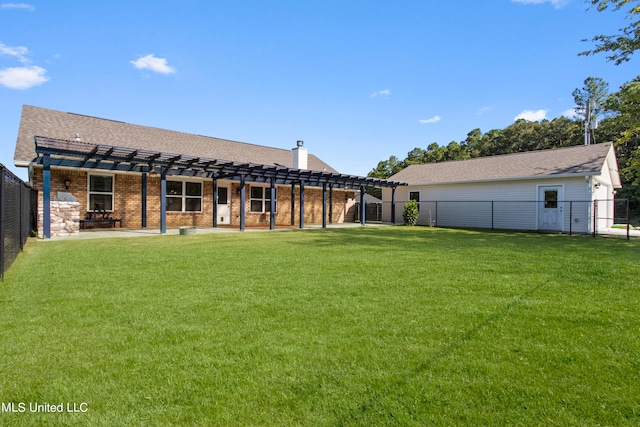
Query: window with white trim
{"type": "Point", "coordinates": [260, 199]}
{"type": "Point", "coordinates": [100, 192]}
{"type": "Point", "coordinates": [184, 196]}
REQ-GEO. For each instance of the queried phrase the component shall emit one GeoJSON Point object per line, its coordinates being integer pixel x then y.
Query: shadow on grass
{"type": "Point", "coordinates": [395, 388]}
{"type": "Point", "coordinates": [400, 237]}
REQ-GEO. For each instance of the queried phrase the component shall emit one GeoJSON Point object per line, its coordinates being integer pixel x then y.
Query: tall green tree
{"type": "Point", "coordinates": [590, 101]}
{"type": "Point", "coordinates": [435, 153]}
{"type": "Point", "coordinates": [457, 151]}
{"type": "Point", "coordinates": [522, 135]}
{"type": "Point", "coordinates": [416, 156]}
{"type": "Point", "coordinates": [560, 132]}
{"type": "Point", "coordinates": [621, 125]}
{"type": "Point", "coordinates": [474, 143]}
{"type": "Point", "coordinates": [620, 46]}
{"type": "Point", "coordinates": [387, 168]}
{"type": "Point", "coordinates": [384, 170]}
{"type": "Point", "coordinates": [625, 124]}
{"type": "Point", "coordinates": [494, 142]}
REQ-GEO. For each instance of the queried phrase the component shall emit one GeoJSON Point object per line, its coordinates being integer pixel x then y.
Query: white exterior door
{"type": "Point", "coordinates": [550, 208]}
{"type": "Point", "coordinates": [223, 207]}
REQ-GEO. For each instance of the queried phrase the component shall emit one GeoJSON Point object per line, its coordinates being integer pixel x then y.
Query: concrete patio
{"type": "Point", "coordinates": [99, 233]}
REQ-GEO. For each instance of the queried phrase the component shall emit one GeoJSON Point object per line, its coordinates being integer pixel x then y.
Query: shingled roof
{"type": "Point", "coordinates": [43, 122]}
{"type": "Point", "coordinates": [581, 160]}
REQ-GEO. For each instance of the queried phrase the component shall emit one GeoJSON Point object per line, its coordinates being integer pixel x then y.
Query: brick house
{"type": "Point", "coordinates": [151, 177]}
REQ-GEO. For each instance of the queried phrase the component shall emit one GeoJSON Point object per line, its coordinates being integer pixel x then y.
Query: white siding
{"type": "Point", "coordinates": [515, 204]}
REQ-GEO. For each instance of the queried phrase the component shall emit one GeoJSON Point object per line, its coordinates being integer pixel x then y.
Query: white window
{"type": "Point", "coordinates": [260, 199]}
{"type": "Point", "coordinates": [100, 189]}
{"type": "Point", "coordinates": [184, 196]}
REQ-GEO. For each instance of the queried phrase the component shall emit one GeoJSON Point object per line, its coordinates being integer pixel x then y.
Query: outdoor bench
{"type": "Point", "coordinates": [99, 216]}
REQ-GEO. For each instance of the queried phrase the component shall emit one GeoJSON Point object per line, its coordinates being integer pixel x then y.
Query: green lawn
{"type": "Point", "coordinates": [366, 326]}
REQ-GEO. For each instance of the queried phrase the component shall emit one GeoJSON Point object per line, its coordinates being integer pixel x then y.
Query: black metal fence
{"type": "Point", "coordinates": [599, 217]}
{"type": "Point", "coordinates": [372, 212]}
{"type": "Point", "coordinates": [18, 216]}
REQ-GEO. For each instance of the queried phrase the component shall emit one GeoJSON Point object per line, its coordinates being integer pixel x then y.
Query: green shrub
{"type": "Point", "coordinates": [411, 212]}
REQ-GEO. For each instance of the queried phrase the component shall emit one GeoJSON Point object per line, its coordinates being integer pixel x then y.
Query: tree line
{"type": "Point", "coordinates": [620, 124]}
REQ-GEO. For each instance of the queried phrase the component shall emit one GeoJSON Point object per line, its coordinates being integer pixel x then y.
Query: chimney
{"type": "Point", "coordinates": [299, 156]}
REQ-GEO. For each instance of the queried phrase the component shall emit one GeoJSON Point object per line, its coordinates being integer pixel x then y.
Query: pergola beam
{"type": "Point", "coordinates": [82, 155]}
{"type": "Point", "coordinates": [77, 154]}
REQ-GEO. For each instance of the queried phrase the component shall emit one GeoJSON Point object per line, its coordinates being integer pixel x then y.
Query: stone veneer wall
{"type": "Point", "coordinates": [65, 219]}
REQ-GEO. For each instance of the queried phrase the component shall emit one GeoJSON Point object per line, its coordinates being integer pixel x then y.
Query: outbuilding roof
{"type": "Point", "coordinates": [37, 121]}
{"type": "Point", "coordinates": [581, 160]}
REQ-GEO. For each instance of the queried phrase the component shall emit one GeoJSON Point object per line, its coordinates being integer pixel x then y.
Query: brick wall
{"type": "Point", "coordinates": [128, 201]}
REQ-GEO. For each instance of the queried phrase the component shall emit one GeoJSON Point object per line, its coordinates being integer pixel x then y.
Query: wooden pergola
{"type": "Point", "coordinates": [77, 154]}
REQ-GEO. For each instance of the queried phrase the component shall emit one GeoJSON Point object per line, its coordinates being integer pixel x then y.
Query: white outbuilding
{"type": "Point", "coordinates": [567, 190]}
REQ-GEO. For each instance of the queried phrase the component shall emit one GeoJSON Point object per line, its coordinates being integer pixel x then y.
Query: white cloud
{"type": "Point", "coordinates": [556, 3]}
{"type": "Point", "coordinates": [483, 110]}
{"type": "Point", "coordinates": [24, 6]}
{"type": "Point", "coordinates": [434, 119]}
{"type": "Point", "coordinates": [151, 62]}
{"type": "Point", "coordinates": [23, 77]}
{"type": "Point", "coordinates": [19, 52]}
{"type": "Point", "coordinates": [384, 92]}
{"type": "Point", "coordinates": [570, 114]}
{"type": "Point", "coordinates": [532, 116]}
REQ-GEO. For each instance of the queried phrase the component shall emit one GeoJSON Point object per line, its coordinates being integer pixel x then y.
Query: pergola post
{"type": "Point", "coordinates": [143, 203]}
{"type": "Point", "coordinates": [301, 204]}
{"type": "Point", "coordinates": [242, 201]}
{"type": "Point", "coordinates": [272, 207]}
{"type": "Point", "coordinates": [163, 201]}
{"type": "Point", "coordinates": [53, 152]}
{"type": "Point", "coordinates": [293, 203]}
{"type": "Point", "coordinates": [324, 205]}
{"type": "Point", "coordinates": [46, 197]}
{"type": "Point", "coordinates": [330, 203]}
{"type": "Point", "coordinates": [215, 202]}
{"type": "Point", "coordinates": [363, 211]}
{"type": "Point", "coordinates": [393, 205]}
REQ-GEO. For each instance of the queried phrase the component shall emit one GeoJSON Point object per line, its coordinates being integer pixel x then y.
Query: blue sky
{"type": "Point", "coordinates": [358, 81]}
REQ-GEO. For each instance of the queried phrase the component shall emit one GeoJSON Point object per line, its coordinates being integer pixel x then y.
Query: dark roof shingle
{"type": "Point", "coordinates": [576, 160]}
{"type": "Point", "coordinates": [38, 121]}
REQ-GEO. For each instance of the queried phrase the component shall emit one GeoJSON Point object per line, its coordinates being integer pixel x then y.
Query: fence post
{"type": "Point", "coordinates": [21, 213]}
{"type": "Point", "coordinates": [628, 224]}
{"type": "Point", "coordinates": [2, 172]}
{"type": "Point", "coordinates": [492, 215]}
{"type": "Point", "coordinates": [570, 217]}
{"type": "Point", "coordinates": [595, 217]}
{"type": "Point", "coordinates": [436, 213]}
